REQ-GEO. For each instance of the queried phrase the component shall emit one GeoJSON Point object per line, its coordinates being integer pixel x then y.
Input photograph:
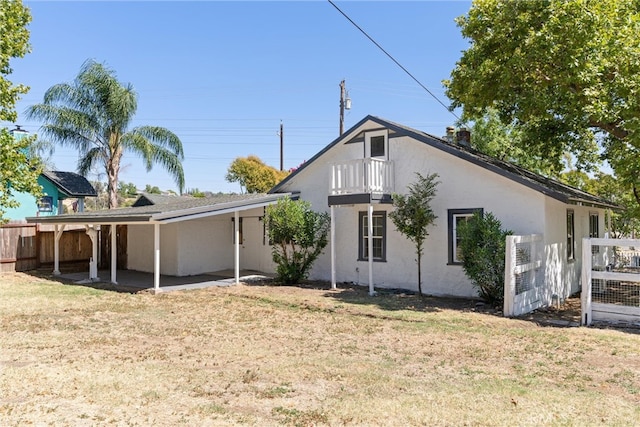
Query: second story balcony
{"type": "Point", "coordinates": [370, 175]}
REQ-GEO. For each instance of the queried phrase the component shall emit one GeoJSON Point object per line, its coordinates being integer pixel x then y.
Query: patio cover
{"type": "Point", "coordinates": [166, 211]}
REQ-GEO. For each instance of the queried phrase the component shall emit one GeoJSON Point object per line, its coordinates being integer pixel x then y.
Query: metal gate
{"type": "Point", "coordinates": [610, 280]}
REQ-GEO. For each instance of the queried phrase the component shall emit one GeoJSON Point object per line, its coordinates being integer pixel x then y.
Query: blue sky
{"type": "Point", "coordinates": [223, 75]}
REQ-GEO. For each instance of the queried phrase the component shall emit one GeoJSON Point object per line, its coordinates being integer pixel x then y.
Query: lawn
{"type": "Point", "coordinates": [271, 355]}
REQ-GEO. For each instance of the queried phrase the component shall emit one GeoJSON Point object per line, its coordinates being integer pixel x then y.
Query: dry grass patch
{"type": "Point", "coordinates": [268, 355]}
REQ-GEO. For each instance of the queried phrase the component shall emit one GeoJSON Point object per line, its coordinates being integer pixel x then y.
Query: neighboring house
{"type": "Point", "coordinates": [355, 176]}
{"type": "Point", "coordinates": [57, 187]}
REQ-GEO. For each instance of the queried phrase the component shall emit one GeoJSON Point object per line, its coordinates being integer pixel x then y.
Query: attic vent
{"type": "Point", "coordinates": [463, 137]}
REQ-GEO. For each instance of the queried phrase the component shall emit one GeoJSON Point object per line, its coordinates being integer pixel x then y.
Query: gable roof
{"type": "Point", "coordinates": [146, 199]}
{"type": "Point", "coordinates": [549, 187]}
{"type": "Point", "coordinates": [71, 184]}
{"type": "Point", "coordinates": [181, 209]}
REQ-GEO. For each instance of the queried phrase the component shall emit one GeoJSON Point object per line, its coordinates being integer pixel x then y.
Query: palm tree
{"type": "Point", "coordinates": [93, 114]}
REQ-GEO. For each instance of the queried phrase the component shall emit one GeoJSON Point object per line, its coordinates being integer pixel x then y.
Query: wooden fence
{"type": "Point", "coordinates": [18, 247]}
{"type": "Point", "coordinates": [26, 247]}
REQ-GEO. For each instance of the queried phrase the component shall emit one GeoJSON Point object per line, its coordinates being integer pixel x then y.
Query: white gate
{"type": "Point", "coordinates": [523, 274]}
{"type": "Point", "coordinates": [610, 280]}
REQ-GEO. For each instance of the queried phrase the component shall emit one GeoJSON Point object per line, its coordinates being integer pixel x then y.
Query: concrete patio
{"type": "Point", "coordinates": [135, 281]}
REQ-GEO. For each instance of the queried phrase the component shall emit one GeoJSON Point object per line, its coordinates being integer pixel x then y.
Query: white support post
{"type": "Point", "coordinates": [236, 252]}
{"type": "Point", "coordinates": [333, 248]}
{"type": "Point", "coordinates": [92, 232]}
{"type": "Point", "coordinates": [372, 291]}
{"type": "Point", "coordinates": [156, 258]}
{"type": "Point", "coordinates": [585, 296]}
{"type": "Point", "coordinates": [114, 253]}
{"type": "Point", "coordinates": [56, 249]}
{"type": "Point", "coordinates": [509, 276]}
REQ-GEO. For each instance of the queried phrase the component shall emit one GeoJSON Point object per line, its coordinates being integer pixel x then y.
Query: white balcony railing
{"type": "Point", "coordinates": [362, 176]}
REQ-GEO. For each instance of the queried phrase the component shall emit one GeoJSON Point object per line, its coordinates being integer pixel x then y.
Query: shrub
{"type": "Point", "coordinates": [483, 246]}
{"type": "Point", "coordinates": [298, 236]}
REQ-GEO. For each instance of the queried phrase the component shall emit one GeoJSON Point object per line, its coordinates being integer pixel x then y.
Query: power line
{"type": "Point", "coordinates": [393, 59]}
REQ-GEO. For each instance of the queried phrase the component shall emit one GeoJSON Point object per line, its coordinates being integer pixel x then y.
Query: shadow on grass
{"type": "Point", "coordinates": [385, 299]}
{"type": "Point", "coordinates": [99, 285]}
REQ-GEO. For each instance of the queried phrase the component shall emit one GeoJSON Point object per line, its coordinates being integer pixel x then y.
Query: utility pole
{"type": "Point", "coordinates": [281, 133]}
{"type": "Point", "coordinates": [342, 96]}
{"type": "Point", "coordinates": [345, 104]}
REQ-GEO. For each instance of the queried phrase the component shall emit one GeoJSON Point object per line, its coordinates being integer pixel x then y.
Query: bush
{"type": "Point", "coordinates": [297, 235]}
{"type": "Point", "coordinates": [483, 246]}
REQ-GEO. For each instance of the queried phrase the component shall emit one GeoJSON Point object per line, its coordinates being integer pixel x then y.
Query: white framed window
{"type": "Point", "coordinates": [571, 236]}
{"type": "Point", "coordinates": [594, 230]}
{"type": "Point", "coordinates": [379, 236]}
{"type": "Point", "coordinates": [454, 218]}
{"type": "Point", "coordinates": [376, 144]}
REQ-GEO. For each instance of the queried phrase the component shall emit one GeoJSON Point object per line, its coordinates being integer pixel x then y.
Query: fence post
{"type": "Point", "coordinates": [585, 297]}
{"type": "Point", "coordinates": [509, 276]}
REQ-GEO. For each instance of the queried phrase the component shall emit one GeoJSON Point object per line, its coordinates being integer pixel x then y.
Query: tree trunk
{"type": "Point", "coordinates": [113, 167]}
{"type": "Point", "coordinates": [419, 273]}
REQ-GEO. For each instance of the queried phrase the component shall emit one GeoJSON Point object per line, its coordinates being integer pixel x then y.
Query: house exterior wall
{"type": "Point", "coordinates": [463, 185]}
{"type": "Point", "coordinates": [205, 245]}
{"type": "Point", "coordinates": [28, 205]}
{"type": "Point", "coordinates": [200, 245]}
{"type": "Point", "coordinates": [140, 248]}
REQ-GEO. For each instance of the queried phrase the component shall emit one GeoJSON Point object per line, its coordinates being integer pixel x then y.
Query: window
{"type": "Point", "coordinates": [571, 239]}
{"type": "Point", "coordinates": [375, 144]}
{"type": "Point", "coordinates": [379, 236]}
{"type": "Point", "coordinates": [233, 231]}
{"type": "Point", "coordinates": [594, 230]}
{"type": "Point", "coordinates": [454, 218]}
{"type": "Point", "coordinates": [45, 204]}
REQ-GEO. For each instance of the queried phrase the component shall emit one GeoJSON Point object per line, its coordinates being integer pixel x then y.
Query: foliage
{"type": "Point", "coordinates": [18, 171]}
{"type": "Point", "coordinates": [298, 236]}
{"type": "Point", "coordinates": [93, 114]}
{"type": "Point", "coordinates": [413, 214]}
{"type": "Point", "coordinates": [504, 141]}
{"type": "Point", "coordinates": [127, 190]}
{"type": "Point", "coordinates": [566, 73]}
{"type": "Point", "coordinates": [253, 174]}
{"type": "Point", "coordinates": [196, 193]}
{"type": "Point", "coordinates": [152, 189]}
{"type": "Point", "coordinates": [482, 247]}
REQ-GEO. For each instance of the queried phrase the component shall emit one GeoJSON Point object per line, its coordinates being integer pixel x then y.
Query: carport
{"type": "Point", "coordinates": [155, 213]}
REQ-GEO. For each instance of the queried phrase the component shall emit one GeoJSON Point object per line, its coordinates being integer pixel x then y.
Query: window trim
{"type": "Point", "coordinates": [362, 236]}
{"type": "Point", "coordinates": [452, 235]}
{"type": "Point", "coordinates": [594, 232]}
{"type": "Point", "coordinates": [367, 144]}
{"type": "Point", "coordinates": [45, 204]}
{"type": "Point", "coordinates": [571, 235]}
{"type": "Point", "coordinates": [233, 231]}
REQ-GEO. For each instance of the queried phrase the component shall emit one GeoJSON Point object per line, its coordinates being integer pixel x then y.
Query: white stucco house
{"type": "Point", "coordinates": [355, 176]}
